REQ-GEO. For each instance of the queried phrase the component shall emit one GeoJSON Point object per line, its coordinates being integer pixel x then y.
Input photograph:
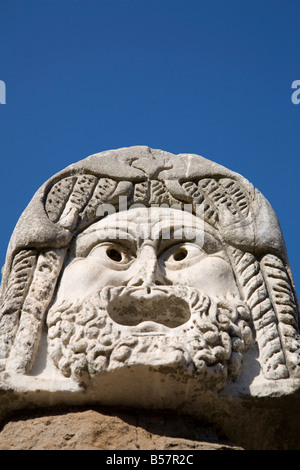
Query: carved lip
{"type": "Point", "coordinates": [149, 328]}
{"type": "Point", "coordinates": [151, 311]}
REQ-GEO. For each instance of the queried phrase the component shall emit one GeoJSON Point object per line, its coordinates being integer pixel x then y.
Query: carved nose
{"type": "Point", "coordinates": [147, 269]}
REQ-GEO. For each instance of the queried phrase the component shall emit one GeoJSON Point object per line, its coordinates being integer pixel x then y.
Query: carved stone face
{"type": "Point", "coordinates": [134, 306]}
{"type": "Point", "coordinates": [133, 292]}
{"type": "Point", "coordinates": [138, 248]}
{"type": "Point", "coordinates": [114, 293]}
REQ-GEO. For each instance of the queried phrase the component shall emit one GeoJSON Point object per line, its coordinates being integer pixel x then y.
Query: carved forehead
{"type": "Point", "coordinates": [147, 223]}
{"type": "Point", "coordinates": [142, 217]}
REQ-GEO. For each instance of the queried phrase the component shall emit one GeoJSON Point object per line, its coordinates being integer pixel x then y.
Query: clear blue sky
{"type": "Point", "coordinates": [211, 77]}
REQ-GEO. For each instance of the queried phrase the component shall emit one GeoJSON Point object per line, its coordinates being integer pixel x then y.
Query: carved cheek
{"type": "Point", "coordinates": [84, 276]}
{"type": "Point", "coordinates": [212, 275]}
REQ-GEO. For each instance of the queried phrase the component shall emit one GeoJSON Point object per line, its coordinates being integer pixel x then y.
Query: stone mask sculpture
{"type": "Point", "coordinates": [139, 277]}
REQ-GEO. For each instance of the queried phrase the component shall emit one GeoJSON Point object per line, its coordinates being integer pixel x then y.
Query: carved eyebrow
{"type": "Point", "coordinates": [88, 240]}
{"type": "Point", "coordinates": [178, 231]}
{"type": "Point", "coordinates": [202, 238]}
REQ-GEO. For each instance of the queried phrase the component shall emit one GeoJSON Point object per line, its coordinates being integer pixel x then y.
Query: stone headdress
{"type": "Point", "coordinates": [67, 203]}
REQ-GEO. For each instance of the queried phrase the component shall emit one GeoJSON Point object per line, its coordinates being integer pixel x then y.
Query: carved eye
{"type": "Point", "coordinates": [182, 255]}
{"type": "Point", "coordinates": [111, 252]}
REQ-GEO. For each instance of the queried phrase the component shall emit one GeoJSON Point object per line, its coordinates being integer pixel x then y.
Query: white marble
{"type": "Point", "coordinates": [138, 277]}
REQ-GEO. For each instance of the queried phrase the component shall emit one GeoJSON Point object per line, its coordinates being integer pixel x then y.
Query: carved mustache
{"type": "Point", "coordinates": [169, 306]}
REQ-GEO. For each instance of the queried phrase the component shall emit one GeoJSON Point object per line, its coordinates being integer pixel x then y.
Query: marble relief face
{"type": "Point", "coordinates": [134, 249]}
{"type": "Point", "coordinates": [149, 306]}
{"type": "Point", "coordinates": [144, 287]}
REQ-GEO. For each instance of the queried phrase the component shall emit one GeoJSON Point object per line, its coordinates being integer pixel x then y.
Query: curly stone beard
{"type": "Point", "coordinates": [174, 328]}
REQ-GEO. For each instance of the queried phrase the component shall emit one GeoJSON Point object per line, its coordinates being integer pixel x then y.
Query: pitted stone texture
{"type": "Point", "coordinates": [154, 321]}
{"type": "Point", "coordinates": [93, 430]}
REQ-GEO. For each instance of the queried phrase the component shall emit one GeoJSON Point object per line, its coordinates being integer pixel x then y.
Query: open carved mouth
{"type": "Point", "coordinates": [149, 307]}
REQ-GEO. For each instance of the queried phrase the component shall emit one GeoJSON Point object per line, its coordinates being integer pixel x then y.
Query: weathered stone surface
{"type": "Point", "coordinates": [93, 430]}
{"type": "Point", "coordinates": [147, 280]}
